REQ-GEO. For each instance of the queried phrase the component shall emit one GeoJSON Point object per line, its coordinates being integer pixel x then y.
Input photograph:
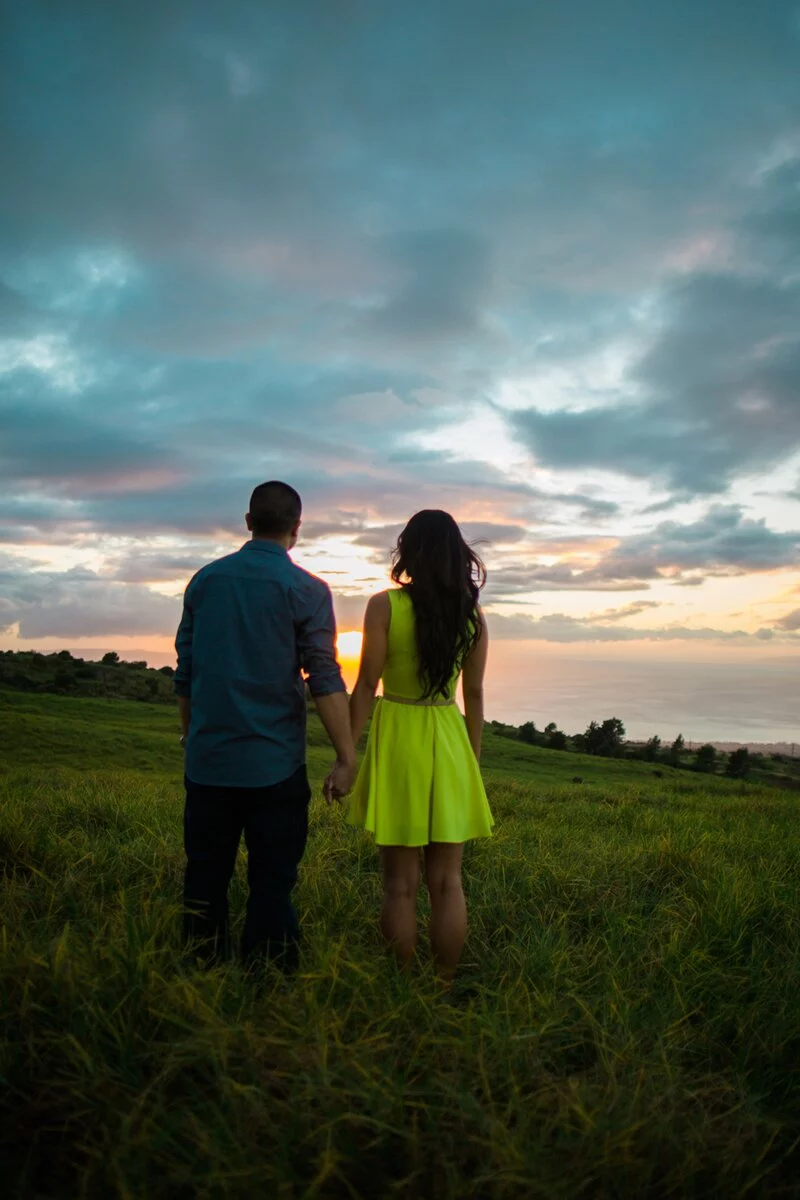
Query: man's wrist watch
{"type": "Point", "coordinates": [183, 739]}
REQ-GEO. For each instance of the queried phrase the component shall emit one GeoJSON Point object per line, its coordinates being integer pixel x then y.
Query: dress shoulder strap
{"type": "Point", "coordinates": [397, 596]}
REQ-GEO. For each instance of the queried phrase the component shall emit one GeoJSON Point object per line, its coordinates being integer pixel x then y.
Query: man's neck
{"type": "Point", "coordinates": [285, 542]}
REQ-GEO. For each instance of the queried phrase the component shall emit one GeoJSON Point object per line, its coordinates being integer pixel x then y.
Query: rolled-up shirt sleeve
{"type": "Point", "coordinates": [182, 681]}
{"type": "Point", "coordinates": [316, 643]}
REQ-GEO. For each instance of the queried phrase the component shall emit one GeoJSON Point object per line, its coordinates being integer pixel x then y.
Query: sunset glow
{"type": "Point", "coordinates": [579, 336]}
{"type": "Point", "coordinates": [348, 645]}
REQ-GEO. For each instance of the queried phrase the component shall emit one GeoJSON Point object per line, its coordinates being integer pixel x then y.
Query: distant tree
{"type": "Point", "coordinates": [652, 748]}
{"type": "Point", "coordinates": [136, 666]}
{"type": "Point", "coordinates": [168, 671]}
{"type": "Point", "coordinates": [676, 750]}
{"type": "Point", "coordinates": [557, 740]}
{"type": "Point", "coordinates": [550, 727]}
{"type": "Point", "coordinates": [605, 740]}
{"type": "Point", "coordinates": [739, 763]}
{"type": "Point", "coordinates": [110, 658]}
{"type": "Point", "coordinates": [65, 654]}
{"type": "Point", "coordinates": [63, 680]}
{"type": "Point", "coordinates": [527, 733]}
{"type": "Point", "coordinates": [706, 758]}
{"type": "Point", "coordinates": [592, 738]}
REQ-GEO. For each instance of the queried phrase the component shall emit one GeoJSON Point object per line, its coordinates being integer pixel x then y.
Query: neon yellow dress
{"type": "Point", "coordinates": [419, 781]}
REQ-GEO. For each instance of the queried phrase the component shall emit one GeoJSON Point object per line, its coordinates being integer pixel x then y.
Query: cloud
{"type": "Point", "coordinates": [49, 444]}
{"type": "Point", "coordinates": [263, 265]}
{"type": "Point", "coordinates": [715, 393]}
{"type": "Point", "coordinates": [509, 583]}
{"type": "Point", "coordinates": [722, 385]}
{"type": "Point", "coordinates": [559, 627]}
{"type": "Point", "coordinates": [724, 539]}
{"type": "Point", "coordinates": [446, 279]}
{"type": "Point", "coordinates": [79, 603]}
{"type": "Point", "coordinates": [627, 610]}
{"type": "Point", "coordinates": [489, 533]}
{"type": "Point", "coordinates": [790, 622]}
{"type": "Point", "coordinates": [155, 566]}
{"type": "Point", "coordinates": [722, 542]}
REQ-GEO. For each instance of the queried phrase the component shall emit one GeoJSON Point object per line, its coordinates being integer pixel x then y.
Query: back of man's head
{"type": "Point", "coordinates": [275, 509]}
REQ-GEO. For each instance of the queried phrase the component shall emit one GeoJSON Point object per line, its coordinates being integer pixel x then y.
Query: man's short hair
{"type": "Point", "coordinates": [275, 509]}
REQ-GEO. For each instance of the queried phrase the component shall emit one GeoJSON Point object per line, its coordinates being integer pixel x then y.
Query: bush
{"type": "Point", "coordinates": [739, 763]}
{"type": "Point", "coordinates": [63, 680]}
{"type": "Point", "coordinates": [706, 758]}
{"type": "Point", "coordinates": [652, 748]}
{"type": "Point", "coordinates": [605, 740]}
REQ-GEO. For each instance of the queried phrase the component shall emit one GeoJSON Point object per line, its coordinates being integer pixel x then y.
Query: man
{"type": "Point", "coordinates": [251, 622]}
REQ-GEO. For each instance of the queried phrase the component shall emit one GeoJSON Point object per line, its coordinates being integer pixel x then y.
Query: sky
{"type": "Point", "coordinates": [535, 264]}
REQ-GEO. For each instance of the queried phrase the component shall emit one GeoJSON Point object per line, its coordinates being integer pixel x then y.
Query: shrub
{"type": "Point", "coordinates": [739, 763]}
{"type": "Point", "coordinates": [706, 758]}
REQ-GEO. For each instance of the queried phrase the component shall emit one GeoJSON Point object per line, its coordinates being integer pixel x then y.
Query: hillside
{"type": "Point", "coordinates": [89, 734]}
{"type": "Point", "coordinates": [625, 1022]}
{"type": "Point", "coordinates": [63, 674]}
{"type": "Point", "coordinates": [112, 679]}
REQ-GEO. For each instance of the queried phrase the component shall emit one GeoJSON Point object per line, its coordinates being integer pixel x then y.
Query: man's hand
{"type": "Point", "coordinates": [339, 781]}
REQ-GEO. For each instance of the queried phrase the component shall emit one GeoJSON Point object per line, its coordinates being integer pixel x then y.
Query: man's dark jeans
{"type": "Point", "coordinates": [274, 821]}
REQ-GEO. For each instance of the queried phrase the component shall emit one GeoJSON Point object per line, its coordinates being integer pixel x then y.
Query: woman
{"type": "Point", "coordinates": [419, 784]}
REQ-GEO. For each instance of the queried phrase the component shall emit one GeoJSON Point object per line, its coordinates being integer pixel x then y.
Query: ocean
{"type": "Point", "coordinates": [741, 699]}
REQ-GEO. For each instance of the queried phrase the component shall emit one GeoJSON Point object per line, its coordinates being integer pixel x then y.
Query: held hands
{"type": "Point", "coordinates": [339, 781]}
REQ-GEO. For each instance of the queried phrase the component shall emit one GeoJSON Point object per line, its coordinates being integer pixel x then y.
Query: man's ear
{"type": "Point", "coordinates": [296, 529]}
{"type": "Point", "coordinates": [248, 520]}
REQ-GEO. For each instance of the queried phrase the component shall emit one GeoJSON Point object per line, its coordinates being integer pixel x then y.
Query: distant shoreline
{"type": "Point", "coordinates": [791, 749]}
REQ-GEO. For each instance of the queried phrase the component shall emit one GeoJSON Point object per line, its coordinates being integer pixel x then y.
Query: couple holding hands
{"type": "Point", "coordinates": [253, 624]}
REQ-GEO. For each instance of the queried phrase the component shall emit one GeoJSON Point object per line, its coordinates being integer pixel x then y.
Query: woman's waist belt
{"type": "Point", "coordinates": [423, 703]}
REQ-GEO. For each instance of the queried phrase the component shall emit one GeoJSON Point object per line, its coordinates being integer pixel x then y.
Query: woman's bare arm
{"type": "Point", "coordinates": [472, 687]}
{"type": "Point", "coordinates": [373, 658]}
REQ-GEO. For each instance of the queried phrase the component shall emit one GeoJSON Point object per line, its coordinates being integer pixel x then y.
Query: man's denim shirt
{"type": "Point", "coordinates": [251, 622]}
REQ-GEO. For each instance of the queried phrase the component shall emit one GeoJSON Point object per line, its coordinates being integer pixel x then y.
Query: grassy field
{"type": "Point", "coordinates": [626, 1023]}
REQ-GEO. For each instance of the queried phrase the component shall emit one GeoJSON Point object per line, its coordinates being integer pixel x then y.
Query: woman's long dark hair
{"type": "Point", "coordinates": [443, 576]}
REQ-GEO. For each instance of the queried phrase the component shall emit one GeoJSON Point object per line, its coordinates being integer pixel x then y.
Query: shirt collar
{"type": "Point", "coordinates": [262, 546]}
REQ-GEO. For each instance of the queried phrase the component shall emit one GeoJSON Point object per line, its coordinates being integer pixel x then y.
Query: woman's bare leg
{"type": "Point", "coordinates": [401, 872]}
{"type": "Point", "coordinates": [448, 905]}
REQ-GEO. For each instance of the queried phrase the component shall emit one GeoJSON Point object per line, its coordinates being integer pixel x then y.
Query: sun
{"type": "Point", "coordinates": [348, 644]}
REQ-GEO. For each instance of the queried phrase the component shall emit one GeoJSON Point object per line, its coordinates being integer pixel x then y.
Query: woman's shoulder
{"type": "Point", "coordinates": [379, 603]}
{"type": "Point", "coordinates": [388, 598]}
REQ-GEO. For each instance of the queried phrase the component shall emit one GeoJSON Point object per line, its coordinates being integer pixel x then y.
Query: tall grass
{"type": "Point", "coordinates": [626, 1022]}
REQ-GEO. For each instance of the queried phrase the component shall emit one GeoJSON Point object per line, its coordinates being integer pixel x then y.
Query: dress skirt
{"type": "Point", "coordinates": [419, 781]}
